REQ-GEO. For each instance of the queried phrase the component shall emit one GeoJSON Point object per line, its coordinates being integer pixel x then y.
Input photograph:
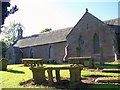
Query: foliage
{"type": "Point", "coordinates": [46, 30]}
{"type": "Point", "coordinates": [10, 32]}
{"type": "Point", "coordinates": [5, 12]}
{"type": "Point", "coordinates": [3, 49]}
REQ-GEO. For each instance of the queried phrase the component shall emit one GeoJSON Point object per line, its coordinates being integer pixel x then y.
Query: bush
{"type": "Point", "coordinates": [3, 64]}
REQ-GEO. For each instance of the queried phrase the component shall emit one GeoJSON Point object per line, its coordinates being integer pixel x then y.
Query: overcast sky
{"type": "Point", "coordinates": [36, 15]}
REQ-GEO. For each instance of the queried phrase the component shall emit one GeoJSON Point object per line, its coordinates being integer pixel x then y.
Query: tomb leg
{"type": "Point", "coordinates": [57, 75]}
{"type": "Point", "coordinates": [50, 77]}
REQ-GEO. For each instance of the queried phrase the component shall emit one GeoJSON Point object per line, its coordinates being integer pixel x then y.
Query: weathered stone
{"type": "Point", "coordinates": [72, 75]}
{"type": "Point", "coordinates": [38, 74]}
{"type": "Point", "coordinates": [82, 60]}
{"type": "Point", "coordinates": [87, 27]}
{"type": "Point", "coordinates": [32, 62]}
{"type": "Point", "coordinates": [57, 75]}
{"type": "Point", "coordinates": [50, 76]}
{"type": "Point", "coordinates": [3, 63]}
{"type": "Point", "coordinates": [75, 73]}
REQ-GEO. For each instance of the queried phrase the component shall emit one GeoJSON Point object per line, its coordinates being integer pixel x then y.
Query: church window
{"type": "Point", "coordinates": [50, 52]}
{"type": "Point", "coordinates": [96, 44]}
{"type": "Point", "coordinates": [81, 45]}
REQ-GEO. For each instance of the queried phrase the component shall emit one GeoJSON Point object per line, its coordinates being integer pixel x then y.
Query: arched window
{"type": "Point", "coordinates": [81, 45]}
{"type": "Point", "coordinates": [96, 44]}
{"type": "Point", "coordinates": [50, 52]}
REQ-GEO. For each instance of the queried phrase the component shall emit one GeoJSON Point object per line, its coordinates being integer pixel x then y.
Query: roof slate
{"type": "Point", "coordinates": [115, 24]}
{"type": "Point", "coordinates": [116, 28]}
{"type": "Point", "coordinates": [44, 38]}
{"type": "Point", "coordinates": [113, 21]}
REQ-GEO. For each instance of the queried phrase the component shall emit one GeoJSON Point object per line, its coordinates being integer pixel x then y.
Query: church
{"type": "Point", "coordinates": [89, 37]}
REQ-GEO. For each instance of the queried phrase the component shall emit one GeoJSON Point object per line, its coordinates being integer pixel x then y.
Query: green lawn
{"type": "Point", "coordinates": [109, 65]}
{"type": "Point", "coordinates": [18, 73]}
{"type": "Point", "coordinates": [14, 75]}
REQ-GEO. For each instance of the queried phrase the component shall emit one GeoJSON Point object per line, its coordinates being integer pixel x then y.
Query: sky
{"type": "Point", "coordinates": [36, 15]}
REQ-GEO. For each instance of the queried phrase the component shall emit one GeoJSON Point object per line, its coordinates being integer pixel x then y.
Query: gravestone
{"type": "Point", "coordinates": [14, 55]}
{"type": "Point", "coordinates": [3, 64]}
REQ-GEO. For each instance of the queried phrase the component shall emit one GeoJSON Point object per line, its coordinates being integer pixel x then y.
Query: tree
{"type": "Point", "coordinates": [5, 12]}
{"type": "Point", "coordinates": [46, 30]}
{"type": "Point", "coordinates": [10, 32]}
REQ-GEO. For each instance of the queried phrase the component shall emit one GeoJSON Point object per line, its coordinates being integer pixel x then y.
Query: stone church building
{"type": "Point", "coordinates": [89, 37]}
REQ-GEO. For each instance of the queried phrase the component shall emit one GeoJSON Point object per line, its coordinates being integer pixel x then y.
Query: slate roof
{"type": "Point", "coordinates": [44, 38]}
{"type": "Point", "coordinates": [113, 21]}
{"type": "Point", "coordinates": [116, 28]}
{"type": "Point", "coordinates": [115, 24]}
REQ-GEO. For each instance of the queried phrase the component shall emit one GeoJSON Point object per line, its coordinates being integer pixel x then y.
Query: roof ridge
{"type": "Point", "coordinates": [35, 35]}
{"type": "Point", "coordinates": [115, 21]}
{"type": "Point", "coordinates": [54, 36]}
{"type": "Point", "coordinates": [82, 18]}
{"type": "Point", "coordinates": [55, 30]}
{"type": "Point", "coordinates": [111, 19]}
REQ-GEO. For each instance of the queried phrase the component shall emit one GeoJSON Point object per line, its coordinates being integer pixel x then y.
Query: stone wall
{"type": "Point", "coordinates": [42, 51]}
{"type": "Point", "coordinates": [87, 27]}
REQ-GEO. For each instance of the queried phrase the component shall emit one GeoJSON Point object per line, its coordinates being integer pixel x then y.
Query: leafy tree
{"type": "Point", "coordinates": [46, 30]}
{"type": "Point", "coordinates": [5, 12]}
{"type": "Point", "coordinates": [10, 32]}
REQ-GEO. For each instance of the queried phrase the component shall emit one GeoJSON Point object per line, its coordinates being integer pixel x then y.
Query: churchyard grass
{"type": "Point", "coordinates": [108, 65]}
{"type": "Point", "coordinates": [86, 73]}
{"type": "Point", "coordinates": [18, 73]}
{"type": "Point", "coordinates": [14, 75]}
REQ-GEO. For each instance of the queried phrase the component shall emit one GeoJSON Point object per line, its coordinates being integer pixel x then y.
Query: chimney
{"type": "Point", "coordinates": [20, 33]}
